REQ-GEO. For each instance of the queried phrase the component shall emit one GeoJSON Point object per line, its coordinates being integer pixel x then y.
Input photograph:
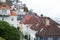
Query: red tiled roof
{"type": "Point", "coordinates": [4, 6]}
{"type": "Point", "coordinates": [12, 13]}
{"type": "Point", "coordinates": [51, 30]}
{"type": "Point", "coordinates": [30, 19]}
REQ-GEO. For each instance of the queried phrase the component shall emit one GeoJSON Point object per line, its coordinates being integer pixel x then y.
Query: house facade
{"type": "Point", "coordinates": [6, 14]}
{"type": "Point", "coordinates": [26, 23]}
{"type": "Point", "coordinates": [48, 29]}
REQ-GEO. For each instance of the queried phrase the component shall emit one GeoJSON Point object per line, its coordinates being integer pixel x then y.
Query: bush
{"type": "Point", "coordinates": [8, 32]}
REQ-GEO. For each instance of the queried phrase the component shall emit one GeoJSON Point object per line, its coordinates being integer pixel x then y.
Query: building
{"type": "Point", "coordinates": [47, 29]}
{"type": "Point", "coordinates": [26, 23]}
{"type": "Point", "coordinates": [8, 15]}
{"type": "Point", "coordinates": [3, 1]}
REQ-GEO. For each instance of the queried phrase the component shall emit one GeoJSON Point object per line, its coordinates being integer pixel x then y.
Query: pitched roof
{"type": "Point", "coordinates": [4, 6]}
{"type": "Point", "coordinates": [12, 13]}
{"type": "Point", "coordinates": [47, 30]}
{"type": "Point", "coordinates": [30, 19]}
{"type": "Point", "coordinates": [39, 23]}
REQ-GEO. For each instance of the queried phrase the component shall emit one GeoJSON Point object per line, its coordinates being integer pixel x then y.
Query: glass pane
{"type": "Point", "coordinates": [0, 11]}
{"type": "Point", "coordinates": [4, 11]}
{"type": "Point", "coordinates": [45, 38]}
{"type": "Point", "coordinates": [58, 38]}
{"type": "Point", "coordinates": [55, 38]}
{"type": "Point", "coordinates": [37, 38]}
{"type": "Point", "coordinates": [50, 38]}
{"type": "Point", "coordinates": [41, 38]}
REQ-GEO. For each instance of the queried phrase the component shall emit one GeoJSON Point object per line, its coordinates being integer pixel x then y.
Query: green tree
{"type": "Point", "coordinates": [1, 3]}
{"type": "Point", "coordinates": [8, 2]}
{"type": "Point", "coordinates": [25, 8]}
{"type": "Point", "coordinates": [8, 32]}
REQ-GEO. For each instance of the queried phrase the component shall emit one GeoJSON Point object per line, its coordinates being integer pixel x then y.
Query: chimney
{"type": "Point", "coordinates": [41, 15]}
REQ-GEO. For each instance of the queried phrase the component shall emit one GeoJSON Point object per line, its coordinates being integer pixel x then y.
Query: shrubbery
{"type": "Point", "coordinates": [8, 32]}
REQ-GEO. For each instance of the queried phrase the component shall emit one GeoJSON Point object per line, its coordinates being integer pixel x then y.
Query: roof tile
{"type": "Point", "coordinates": [12, 13]}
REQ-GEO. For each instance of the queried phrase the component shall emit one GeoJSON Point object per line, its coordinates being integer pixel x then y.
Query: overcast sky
{"type": "Point", "coordinates": [49, 8]}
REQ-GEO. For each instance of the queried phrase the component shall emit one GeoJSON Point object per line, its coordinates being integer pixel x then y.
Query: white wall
{"type": "Point", "coordinates": [9, 20]}
{"type": "Point", "coordinates": [27, 31]}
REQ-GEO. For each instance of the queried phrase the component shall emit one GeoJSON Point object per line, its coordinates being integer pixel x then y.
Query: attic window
{"type": "Point", "coordinates": [47, 22]}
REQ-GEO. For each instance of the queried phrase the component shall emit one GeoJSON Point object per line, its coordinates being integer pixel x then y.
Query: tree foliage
{"type": "Point", "coordinates": [1, 3]}
{"type": "Point", "coordinates": [8, 2]}
{"type": "Point", "coordinates": [25, 8]}
{"type": "Point", "coordinates": [8, 32]}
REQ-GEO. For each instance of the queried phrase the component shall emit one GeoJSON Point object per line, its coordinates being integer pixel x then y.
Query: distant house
{"type": "Point", "coordinates": [26, 23]}
{"type": "Point", "coordinates": [2, 0]}
{"type": "Point", "coordinates": [47, 28]}
{"type": "Point", "coordinates": [6, 14]}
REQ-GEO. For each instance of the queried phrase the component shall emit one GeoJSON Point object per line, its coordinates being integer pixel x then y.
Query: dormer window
{"type": "Point", "coordinates": [47, 22]}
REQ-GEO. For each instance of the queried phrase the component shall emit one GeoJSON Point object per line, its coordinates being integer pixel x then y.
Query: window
{"type": "Point", "coordinates": [26, 36]}
{"type": "Point", "coordinates": [0, 11]}
{"type": "Point", "coordinates": [4, 11]}
{"type": "Point", "coordinates": [55, 38]}
{"type": "Point", "coordinates": [2, 18]}
{"type": "Point", "coordinates": [12, 19]}
{"type": "Point", "coordinates": [43, 38]}
{"type": "Point", "coordinates": [50, 38]}
{"type": "Point", "coordinates": [47, 22]}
